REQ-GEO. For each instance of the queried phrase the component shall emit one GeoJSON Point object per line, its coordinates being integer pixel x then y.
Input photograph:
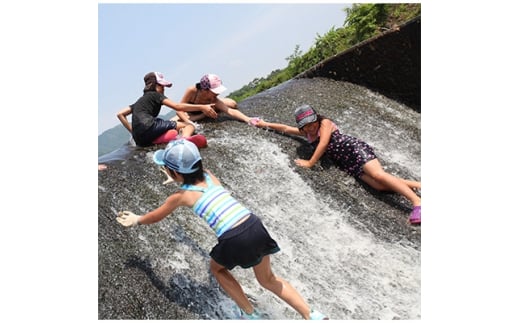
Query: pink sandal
{"type": "Point", "coordinates": [415, 216]}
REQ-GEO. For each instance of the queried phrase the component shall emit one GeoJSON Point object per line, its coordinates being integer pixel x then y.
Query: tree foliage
{"type": "Point", "coordinates": [362, 22]}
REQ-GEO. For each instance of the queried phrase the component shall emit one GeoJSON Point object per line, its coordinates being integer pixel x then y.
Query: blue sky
{"type": "Point", "coordinates": [237, 41]}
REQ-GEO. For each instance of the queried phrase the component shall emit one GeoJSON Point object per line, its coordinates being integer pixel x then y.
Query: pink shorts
{"type": "Point", "coordinates": [166, 137]}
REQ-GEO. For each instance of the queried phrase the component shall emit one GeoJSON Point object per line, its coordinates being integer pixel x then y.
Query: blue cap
{"type": "Point", "coordinates": [180, 155]}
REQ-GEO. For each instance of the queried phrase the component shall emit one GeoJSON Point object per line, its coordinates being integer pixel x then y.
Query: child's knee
{"type": "Point", "coordinates": [230, 103]}
{"type": "Point", "coordinates": [267, 281]}
{"type": "Point", "coordinates": [215, 268]}
{"type": "Point", "coordinates": [184, 126]}
{"type": "Point", "coordinates": [378, 175]}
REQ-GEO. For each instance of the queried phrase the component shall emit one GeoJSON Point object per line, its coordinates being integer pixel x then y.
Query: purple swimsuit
{"type": "Point", "coordinates": [347, 152]}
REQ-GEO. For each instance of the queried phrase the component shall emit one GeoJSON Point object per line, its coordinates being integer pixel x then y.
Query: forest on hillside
{"type": "Point", "coordinates": [362, 22]}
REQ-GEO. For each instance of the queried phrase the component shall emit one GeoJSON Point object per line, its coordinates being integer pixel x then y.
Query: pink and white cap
{"type": "Point", "coordinates": [213, 83]}
{"type": "Point", "coordinates": [159, 77]}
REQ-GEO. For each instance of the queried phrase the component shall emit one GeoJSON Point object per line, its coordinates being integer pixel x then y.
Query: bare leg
{"type": "Point", "coordinates": [280, 287]}
{"type": "Point", "coordinates": [232, 104]}
{"type": "Point", "coordinates": [412, 184]}
{"type": "Point", "coordinates": [377, 178]}
{"type": "Point", "coordinates": [381, 187]}
{"type": "Point", "coordinates": [231, 286]}
{"type": "Point", "coordinates": [197, 117]}
{"type": "Point", "coordinates": [185, 129]}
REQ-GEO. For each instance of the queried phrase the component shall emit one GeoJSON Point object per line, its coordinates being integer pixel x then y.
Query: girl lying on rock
{"type": "Point", "coordinates": [350, 154]}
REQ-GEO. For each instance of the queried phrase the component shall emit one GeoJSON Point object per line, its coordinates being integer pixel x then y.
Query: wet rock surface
{"type": "Point", "coordinates": [347, 248]}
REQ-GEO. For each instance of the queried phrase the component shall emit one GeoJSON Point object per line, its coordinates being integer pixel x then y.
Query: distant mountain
{"type": "Point", "coordinates": [112, 139]}
{"type": "Point", "coordinates": [117, 136]}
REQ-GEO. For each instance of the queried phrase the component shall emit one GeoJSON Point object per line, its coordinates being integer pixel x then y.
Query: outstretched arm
{"type": "Point", "coordinates": [121, 115]}
{"type": "Point", "coordinates": [183, 116]}
{"type": "Point", "coordinates": [129, 219]}
{"type": "Point", "coordinates": [186, 98]}
{"type": "Point", "coordinates": [234, 113]}
{"type": "Point", "coordinates": [189, 97]}
{"type": "Point", "coordinates": [280, 128]}
{"type": "Point", "coordinates": [207, 109]}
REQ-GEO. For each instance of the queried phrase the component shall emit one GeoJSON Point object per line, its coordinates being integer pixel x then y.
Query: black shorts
{"type": "Point", "coordinates": [244, 245]}
{"type": "Point", "coordinates": [159, 127]}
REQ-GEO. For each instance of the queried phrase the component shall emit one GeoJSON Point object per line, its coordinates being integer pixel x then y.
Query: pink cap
{"type": "Point", "coordinates": [161, 80]}
{"type": "Point", "coordinates": [213, 83]}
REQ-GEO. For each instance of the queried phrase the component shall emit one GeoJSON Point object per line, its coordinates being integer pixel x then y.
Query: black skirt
{"type": "Point", "coordinates": [244, 245]}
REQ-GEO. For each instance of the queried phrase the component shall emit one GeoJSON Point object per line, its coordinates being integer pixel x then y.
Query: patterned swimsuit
{"type": "Point", "coordinates": [347, 152]}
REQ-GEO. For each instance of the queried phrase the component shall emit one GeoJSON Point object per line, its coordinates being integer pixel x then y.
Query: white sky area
{"type": "Point", "coordinates": [237, 41]}
{"type": "Point", "coordinates": [65, 67]}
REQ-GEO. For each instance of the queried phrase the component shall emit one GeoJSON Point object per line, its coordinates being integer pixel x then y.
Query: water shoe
{"type": "Point", "coordinates": [315, 315]}
{"type": "Point", "coordinates": [415, 216]}
{"type": "Point", "coordinates": [253, 316]}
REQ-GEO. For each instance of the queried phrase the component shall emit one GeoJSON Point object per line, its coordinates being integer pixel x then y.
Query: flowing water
{"type": "Point", "coordinates": [345, 247]}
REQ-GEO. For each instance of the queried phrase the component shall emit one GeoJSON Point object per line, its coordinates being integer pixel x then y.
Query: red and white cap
{"type": "Point", "coordinates": [152, 78]}
{"type": "Point", "coordinates": [162, 80]}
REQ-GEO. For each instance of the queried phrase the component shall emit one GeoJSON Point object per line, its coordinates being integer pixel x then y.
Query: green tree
{"type": "Point", "coordinates": [365, 19]}
{"type": "Point", "coordinates": [362, 22]}
{"type": "Point", "coordinates": [294, 60]}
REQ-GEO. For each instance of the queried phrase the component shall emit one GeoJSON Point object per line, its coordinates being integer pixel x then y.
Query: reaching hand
{"type": "Point", "coordinates": [303, 163]}
{"type": "Point", "coordinates": [261, 124]}
{"type": "Point", "coordinates": [254, 121]}
{"type": "Point", "coordinates": [210, 111]}
{"type": "Point", "coordinates": [127, 218]}
{"type": "Point", "coordinates": [169, 179]}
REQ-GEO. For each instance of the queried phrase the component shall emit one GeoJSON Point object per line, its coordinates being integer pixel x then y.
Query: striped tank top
{"type": "Point", "coordinates": [216, 206]}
